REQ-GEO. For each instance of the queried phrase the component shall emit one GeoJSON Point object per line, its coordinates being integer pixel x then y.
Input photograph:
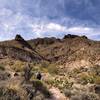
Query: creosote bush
{"type": "Point", "coordinates": [52, 69]}
{"type": "Point", "coordinates": [85, 78]}
{"type": "Point", "coordinates": [8, 94]}
{"type": "Point", "coordinates": [27, 72]}
{"type": "Point", "coordinates": [2, 68]}
{"type": "Point", "coordinates": [85, 96]}
{"type": "Point", "coordinates": [18, 66]}
{"type": "Point", "coordinates": [39, 86]}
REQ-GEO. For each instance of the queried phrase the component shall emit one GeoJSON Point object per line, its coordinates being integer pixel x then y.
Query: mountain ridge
{"type": "Point", "coordinates": [72, 50]}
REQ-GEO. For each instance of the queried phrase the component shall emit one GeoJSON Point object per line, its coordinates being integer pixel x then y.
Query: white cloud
{"type": "Point", "coordinates": [47, 27]}
{"type": "Point", "coordinates": [55, 27]}
{"type": "Point", "coordinates": [12, 23]}
{"type": "Point", "coordinates": [80, 29]}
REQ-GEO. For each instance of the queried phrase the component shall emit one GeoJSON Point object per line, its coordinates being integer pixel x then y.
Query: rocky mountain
{"type": "Point", "coordinates": [71, 51]}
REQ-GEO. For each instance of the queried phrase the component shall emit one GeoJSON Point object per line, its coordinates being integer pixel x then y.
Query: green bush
{"type": "Point", "coordinates": [95, 70]}
{"type": "Point", "coordinates": [18, 66]}
{"type": "Point", "coordinates": [84, 79]}
{"type": "Point", "coordinates": [45, 64]}
{"type": "Point", "coordinates": [52, 69]}
{"type": "Point", "coordinates": [39, 86]}
{"type": "Point", "coordinates": [97, 80]}
{"type": "Point", "coordinates": [2, 68]}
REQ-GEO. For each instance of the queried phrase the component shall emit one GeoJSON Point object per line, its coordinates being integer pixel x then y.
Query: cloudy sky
{"type": "Point", "coordinates": [39, 18]}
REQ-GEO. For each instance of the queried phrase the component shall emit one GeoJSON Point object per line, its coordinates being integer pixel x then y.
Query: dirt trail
{"type": "Point", "coordinates": [57, 95]}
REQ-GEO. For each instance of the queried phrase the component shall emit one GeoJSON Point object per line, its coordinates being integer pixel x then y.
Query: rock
{"type": "Point", "coordinates": [97, 89]}
{"type": "Point", "coordinates": [19, 38]}
{"type": "Point", "coordinates": [70, 36]}
{"type": "Point", "coordinates": [85, 37]}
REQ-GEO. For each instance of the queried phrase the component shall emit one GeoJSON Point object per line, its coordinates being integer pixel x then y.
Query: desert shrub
{"type": "Point", "coordinates": [89, 96]}
{"type": "Point", "coordinates": [85, 79]}
{"type": "Point", "coordinates": [4, 75]}
{"type": "Point", "coordinates": [94, 73]}
{"type": "Point", "coordinates": [50, 82]}
{"type": "Point", "coordinates": [85, 96]}
{"type": "Point", "coordinates": [35, 68]}
{"type": "Point", "coordinates": [2, 68]}
{"type": "Point", "coordinates": [39, 86]}
{"type": "Point", "coordinates": [18, 66]}
{"type": "Point", "coordinates": [77, 71]}
{"type": "Point", "coordinates": [61, 83]}
{"type": "Point", "coordinates": [74, 72]}
{"type": "Point", "coordinates": [76, 97]}
{"type": "Point", "coordinates": [39, 67]}
{"type": "Point", "coordinates": [44, 64]}
{"type": "Point", "coordinates": [68, 93]}
{"type": "Point", "coordinates": [97, 80]}
{"type": "Point", "coordinates": [8, 94]}
{"type": "Point", "coordinates": [95, 70]}
{"type": "Point", "coordinates": [52, 69]}
{"type": "Point", "coordinates": [27, 72]}
{"type": "Point", "coordinates": [45, 67]}
{"type": "Point", "coordinates": [39, 97]}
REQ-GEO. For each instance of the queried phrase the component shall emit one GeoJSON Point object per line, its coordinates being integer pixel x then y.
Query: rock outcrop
{"type": "Point", "coordinates": [19, 54]}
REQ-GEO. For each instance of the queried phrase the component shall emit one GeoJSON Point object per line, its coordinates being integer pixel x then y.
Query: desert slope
{"type": "Point", "coordinates": [71, 51]}
{"type": "Point", "coordinates": [70, 69]}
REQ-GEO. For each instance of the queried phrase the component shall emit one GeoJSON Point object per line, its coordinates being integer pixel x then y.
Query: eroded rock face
{"type": "Point", "coordinates": [44, 41]}
{"type": "Point", "coordinates": [18, 38]}
{"type": "Point", "coordinates": [17, 53]}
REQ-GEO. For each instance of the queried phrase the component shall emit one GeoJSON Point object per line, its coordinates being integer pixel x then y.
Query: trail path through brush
{"type": "Point", "coordinates": [57, 95]}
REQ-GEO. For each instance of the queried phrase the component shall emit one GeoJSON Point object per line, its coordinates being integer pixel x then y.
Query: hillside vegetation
{"type": "Point", "coordinates": [69, 67]}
